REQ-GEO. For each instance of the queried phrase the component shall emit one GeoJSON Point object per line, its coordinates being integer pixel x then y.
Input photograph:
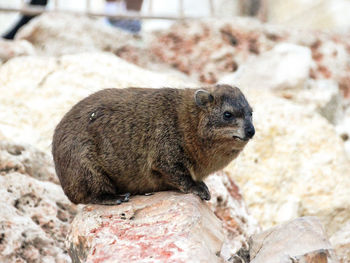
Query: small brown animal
{"type": "Point", "coordinates": [140, 140]}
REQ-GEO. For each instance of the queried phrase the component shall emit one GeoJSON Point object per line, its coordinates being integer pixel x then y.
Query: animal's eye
{"type": "Point", "coordinates": [228, 115]}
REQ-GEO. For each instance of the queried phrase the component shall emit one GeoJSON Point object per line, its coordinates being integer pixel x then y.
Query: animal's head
{"type": "Point", "coordinates": [225, 115]}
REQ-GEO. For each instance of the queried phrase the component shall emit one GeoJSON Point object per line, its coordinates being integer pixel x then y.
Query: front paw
{"type": "Point", "coordinates": [201, 189]}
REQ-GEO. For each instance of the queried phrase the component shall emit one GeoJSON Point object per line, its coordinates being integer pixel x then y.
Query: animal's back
{"type": "Point", "coordinates": [116, 132]}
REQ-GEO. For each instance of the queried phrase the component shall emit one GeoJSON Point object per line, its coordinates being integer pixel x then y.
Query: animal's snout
{"type": "Point", "coordinates": [249, 131]}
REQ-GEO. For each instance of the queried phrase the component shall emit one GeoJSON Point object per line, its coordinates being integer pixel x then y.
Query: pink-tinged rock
{"type": "Point", "coordinates": [164, 227]}
{"type": "Point", "coordinates": [228, 205]}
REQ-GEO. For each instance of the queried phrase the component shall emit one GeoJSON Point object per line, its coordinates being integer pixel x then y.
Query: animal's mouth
{"type": "Point", "coordinates": [237, 138]}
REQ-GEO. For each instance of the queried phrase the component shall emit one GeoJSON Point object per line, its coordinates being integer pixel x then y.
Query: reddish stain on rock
{"type": "Point", "coordinates": [324, 71]}
{"type": "Point", "coordinates": [234, 190]}
{"type": "Point", "coordinates": [344, 86]}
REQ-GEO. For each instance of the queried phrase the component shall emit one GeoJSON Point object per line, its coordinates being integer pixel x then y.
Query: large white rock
{"type": "Point", "coordinates": [341, 242]}
{"type": "Point", "coordinates": [285, 66]}
{"type": "Point", "coordinates": [35, 214]}
{"type": "Point", "coordinates": [10, 49]}
{"type": "Point", "coordinates": [302, 240]}
{"type": "Point", "coordinates": [303, 14]}
{"type": "Point", "coordinates": [59, 33]}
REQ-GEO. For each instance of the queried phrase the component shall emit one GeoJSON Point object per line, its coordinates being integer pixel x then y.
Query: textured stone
{"type": "Point", "coordinates": [59, 33]}
{"type": "Point", "coordinates": [228, 205]}
{"type": "Point", "coordinates": [35, 214]}
{"type": "Point", "coordinates": [210, 49]}
{"type": "Point", "coordinates": [343, 129]}
{"type": "Point", "coordinates": [341, 243]}
{"type": "Point", "coordinates": [309, 14]}
{"type": "Point", "coordinates": [288, 67]}
{"type": "Point", "coordinates": [164, 227]}
{"type": "Point", "coordinates": [302, 240]}
{"type": "Point", "coordinates": [10, 49]}
{"type": "Point", "coordinates": [167, 226]}
{"type": "Point", "coordinates": [25, 159]}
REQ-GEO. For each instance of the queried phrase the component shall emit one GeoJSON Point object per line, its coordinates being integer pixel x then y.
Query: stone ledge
{"type": "Point", "coordinates": [164, 227]}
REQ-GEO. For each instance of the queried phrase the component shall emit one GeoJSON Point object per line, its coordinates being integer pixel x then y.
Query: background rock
{"type": "Point", "coordinates": [210, 49]}
{"type": "Point", "coordinates": [25, 159]}
{"type": "Point", "coordinates": [285, 66]}
{"type": "Point", "coordinates": [300, 240]}
{"type": "Point", "coordinates": [343, 128]}
{"type": "Point", "coordinates": [59, 33]}
{"type": "Point", "coordinates": [10, 49]}
{"type": "Point", "coordinates": [322, 14]}
{"type": "Point", "coordinates": [35, 214]}
{"type": "Point", "coordinates": [341, 243]}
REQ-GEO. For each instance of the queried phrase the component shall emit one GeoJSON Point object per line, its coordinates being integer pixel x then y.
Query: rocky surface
{"type": "Point", "coordinates": [210, 49]}
{"type": "Point", "coordinates": [295, 166]}
{"type": "Point", "coordinates": [25, 159]}
{"type": "Point", "coordinates": [48, 34]}
{"type": "Point", "coordinates": [10, 49]}
{"type": "Point", "coordinates": [165, 227]}
{"type": "Point", "coordinates": [341, 243]}
{"type": "Point", "coordinates": [57, 34]}
{"type": "Point", "coordinates": [207, 50]}
{"type": "Point", "coordinates": [302, 240]}
{"type": "Point", "coordinates": [228, 205]}
{"type": "Point", "coordinates": [35, 213]}
{"type": "Point", "coordinates": [289, 66]}
{"type": "Point", "coordinates": [322, 14]}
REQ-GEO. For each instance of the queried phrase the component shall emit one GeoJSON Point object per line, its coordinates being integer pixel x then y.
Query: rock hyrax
{"type": "Point", "coordinates": [140, 140]}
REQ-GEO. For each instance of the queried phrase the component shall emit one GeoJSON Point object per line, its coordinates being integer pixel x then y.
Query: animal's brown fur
{"type": "Point", "coordinates": [144, 140]}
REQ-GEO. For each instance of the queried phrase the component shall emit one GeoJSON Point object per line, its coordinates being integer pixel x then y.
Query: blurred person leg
{"type": "Point", "coordinates": [118, 7]}
{"type": "Point", "coordinates": [23, 20]}
{"type": "Point", "coordinates": [134, 5]}
{"type": "Point", "coordinates": [255, 8]}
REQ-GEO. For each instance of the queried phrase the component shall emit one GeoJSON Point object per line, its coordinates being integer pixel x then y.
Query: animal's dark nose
{"type": "Point", "coordinates": [249, 131]}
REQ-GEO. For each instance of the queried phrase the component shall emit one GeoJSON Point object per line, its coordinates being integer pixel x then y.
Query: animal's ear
{"type": "Point", "coordinates": [203, 97]}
